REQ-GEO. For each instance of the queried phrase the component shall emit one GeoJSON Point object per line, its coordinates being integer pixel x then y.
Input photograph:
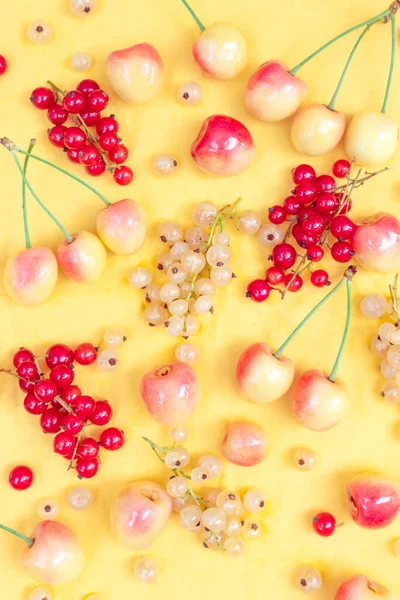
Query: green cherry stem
{"type": "Point", "coordinates": [53, 217]}
{"type": "Point", "coordinates": [19, 535]}
{"type": "Point", "coordinates": [392, 62]}
{"type": "Point", "coordinates": [195, 17]}
{"type": "Point", "coordinates": [332, 376]}
{"type": "Point", "coordinates": [337, 38]}
{"type": "Point", "coordinates": [24, 209]}
{"type": "Point", "coordinates": [331, 104]}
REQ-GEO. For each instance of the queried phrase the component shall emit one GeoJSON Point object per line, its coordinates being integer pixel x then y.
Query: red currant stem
{"type": "Point", "coordinates": [22, 537]}
{"type": "Point", "coordinates": [64, 404]}
{"type": "Point", "coordinates": [289, 229]}
{"type": "Point", "coordinates": [9, 372]}
{"type": "Point", "coordinates": [392, 63]}
{"type": "Point", "coordinates": [78, 441]}
{"type": "Point", "coordinates": [195, 17]}
{"type": "Point", "coordinates": [51, 215]}
{"type": "Point", "coordinates": [24, 210]}
{"type": "Point", "coordinates": [332, 103]}
{"type": "Point", "coordinates": [295, 272]}
{"type": "Point", "coordinates": [337, 38]}
{"type": "Point", "coordinates": [364, 179]}
{"type": "Point", "coordinates": [332, 376]}
{"type": "Point", "coordinates": [395, 297]}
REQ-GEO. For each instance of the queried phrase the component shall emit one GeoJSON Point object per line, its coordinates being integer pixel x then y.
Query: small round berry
{"type": "Point", "coordinates": [304, 459]}
{"type": "Point", "coordinates": [41, 593]}
{"type": "Point", "coordinates": [89, 155]}
{"type": "Point", "coordinates": [22, 355]}
{"type": "Point", "coordinates": [235, 546]}
{"type": "Point", "coordinates": [56, 135]}
{"type": "Point", "coordinates": [108, 141]}
{"type": "Point", "coordinates": [80, 498]}
{"type": "Point", "coordinates": [189, 93]}
{"type": "Point", "coordinates": [374, 306]}
{"type": "Point", "coordinates": [305, 193]}
{"type": "Point", "coordinates": [97, 100]}
{"type": "Point", "coordinates": [87, 86]}
{"type": "Point", "coordinates": [115, 337]}
{"type": "Point", "coordinates": [324, 524]}
{"type": "Point", "coordinates": [342, 228]}
{"type": "Point", "coordinates": [26, 386]}
{"type": "Point", "coordinates": [87, 467]}
{"type": "Point", "coordinates": [101, 414]}
{"type": "Point", "coordinates": [177, 487]}
{"type": "Point", "coordinates": [140, 277]}
{"type": "Point", "coordinates": [277, 214]}
{"type": "Point", "coordinates": [108, 361]}
{"type": "Point", "coordinates": [284, 256]}
{"type": "Point", "coordinates": [211, 465]}
{"type": "Point", "coordinates": [28, 371]}
{"type": "Point", "coordinates": [107, 125]}
{"type": "Point", "coordinates": [59, 354]}
{"type": "Point", "coordinates": [88, 448]}
{"type": "Point", "coordinates": [313, 225]}
{"type": "Point", "coordinates": [165, 164]}
{"type": "Point", "coordinates": [3, 64]}
{"type": "Point", "coordinates": [320, 278]}
{"type": "Point", "coordinates": [326, 203]}
{"type": "Point", "coordinates": [293, 283]}
{"type": "Point", "coordinates": [291, 205]}
{"type": "Point", "coordinates": [64, 443]}
{"type": "Point", "coordinates": [187, 353]}
{"type": "Point", "coordinates": [85, 354]}
{"type": "Point", "coordinates": [89, 117]}
{"type": "Point", "coordinates": [70, 394]}
{"type": "Point", "coordinates": [43, 98]}
{"type": "Point", "coordinates": [81, 61]}
{"type": "Point", "coordinates": [84, 406]}
{"type": "Point", "coordinates": [123, 175]}
{"type": "Point", "coordinates": [73, 155]}
{"type": "Point", "coordinates": [198, 475]}
{"type": "Point", "coordinates": [62, 376]}
{"type": "Point", "coordinates": [341, 168]}
{"type": "Point", "coordinates": [119, 154]}
{"type": "Point", "coordinates": [249, 222]}
{"type": "Point", "coordinates": [254, 501]}
{"type": "Point", "coordinates": [112, 439]}
{"type": "Point", "coordinates": [39, 32]}
{"type": "Point", "coordinates": [258, 290]}
{"type": "Point", "coordinates": [45, 390]}
{"type": "Point", "coordinates": [252, 528]}
{"type": "Point", "coordinates": [178, 434]}
{"type": "Point", "coordinates": [190, 517]}
{"type": "Point", "coordinates": [74, 138]}
{"type": "Point", "coordinates": [83, 8]}
{"type": "Point", "coordinates": [214, 519]}
{"type": "Point", "coordinates": [303, 173]}
{"type": "Point", "coordinates": [146, 569]}
{"type": "Point", "coordinates": [74, 102]}
{"type": "Point", "coordinates": [96, 168]}
{"type": "Point", "coordinates": [48, 509]}
{"type": "Point", "coordinates": [229, 502]}
{"type": "Point", "coordinates": [315, 253]}
{"type": "Point", "coordinates": [342, 251]}
{"type": "Point", "coordinates": [57, 114]}
{"type": "Point", "coordinates": [21, 478]}
{"type": "Point", "coordinates": [73, 423]}
{"type": "Point", "coordinates": [308, 579]}
{"type": "Point", "coordinates": [325, 183]}
{"type": "Point", "coordinates": [50, 420]}
{"type": "Point", "coordinates": [274, 275]}
{"type": "Point", "coordinates": [33, 405]}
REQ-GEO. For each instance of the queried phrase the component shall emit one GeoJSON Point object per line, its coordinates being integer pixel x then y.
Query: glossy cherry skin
{"type": "Point", "coordinates": [360, 587]}
{"type": "Point", "coordinates": [87, 86]}
{"type": "Point", "coordinates": [84, 259]}
{"type": "Point", "coordinates": [122, 226]}
{"type": "Point", "coordinates": [31, 276]}
{"type": "Point", "coordinates": [245, 444]}
{"type": "Point", "coordinates": [317, 130]}
{"type": "Point", "coordinates": [33, 405]}
{"type": "Point", "coordinates": [373, 502]}
{"type": "Point", "coordinates": [221, 51]}
{"type": "Point", "coordinates": [376, 242]}
{"type": "Point", "coordinates": [43, 98]}
{"type": "Point", "coordinates": [84, 406]}
{"type": "Point", "coordinates": [371, 138]}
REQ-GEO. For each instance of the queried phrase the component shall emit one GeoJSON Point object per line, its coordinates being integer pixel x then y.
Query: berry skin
{"type": "Point", "coordinates": [305, 192]}
{"type": "Point", "coordinates": [320, 278]}
{"type": "Point", "coordinates": [56, 135]}
{"type": "Point", "coordinates": [88, 448]}
{"type": "Point", "coordinates": [112, 439]}
{"type": "Point", "coordinates": [21, 478]}
{"type": "Point", "coordinates": [123, 175]}
{"type": "Point", "coordinates": [325, 183]}
{"type": "Point", "coordinates": [274, 275]}
{"type": "Point", "coordinates": [59, 354]}
{"type": "Point", "coordinates": [45, 390]}
{"type": "Point", "coordinates": [63, 443]}
{"type": "Point", "coordinates": [342, 252]}
{"type": "Point", "coordinates": [284, 256]}
{"type": "Point", "coordinates": [119, 154]}
{"type": "Point", "coordinates": [341, 168]}
{"type": "Point", "coordinates": [90, 117]}
{"type": "Point", "coordinates": [33, 405]}
{"type": "Point", "coordinates": [303, 173]}
{"type": "Point", "coordinates": [50, 421]}
{"type": "Point", "coordinates": [315, 253]}
{"type": "Point", "coordinates": [26, 386]}
{"type": "Point", "coordinates": [84, 406]}
{"type": "Point", "coordinates": [28, 371]}
{"type": "Point", "coordinates": [43, 98]}
{"type": "Point", "coordinates": [74, 102]}
{"type": "Point", "coordinates": [88, 155]}
{"type": "Point", "coordinates": [107, 125]}
{"type": "Point", "coordinates": [70, 394]}
{"type": "Point", "coordinates": [277, 214]}
{"type": "Point", "coordinates": [87, 86]}
{"type": "Point", "coordinates": [74, 138]}
{"type": "Point", "coordinates": [62, 376]}
{"type": "Point", "coordinates": [87, 467]}
{"type": "Point", "coordinates": [96, 168]}
{"type": "Point", "coordinates": [324, 524]}
{"type": "Point", "coordinates": [97, 100]}
{"type": "Point", "coordinates": [342, 228]}
{"type": "Point", "coordinates": [346, 207]}
{"type": "Point", "coordinates": [22, 355]}
{"type": "Point", "coordinates": [258, 290]}
{"type": "Point", "coordinates": [291, 205]}
{"type": "Point", "coordinates": [73, 155]}
{"type": "Point", "coordinates": [108, 141]}
{"type": "Point", "coordinates": [303, 239]}
{"type": "Point", "coordinates": [85, 354]}
{"type": "Point", "coordinates": [326, 203]}
{"type": "Point", "coordinates": [3, 64]}
{"type": "Point", "coordinates": [102, 413]}
{"type": "Point", "coordinates": [313, 225]}
{"type": "Point", "coordinates": [57, 114]}
{"type": "Point", "coordinates": [72, 423]}
{"type": "Point", "coordinates": [293, 284]}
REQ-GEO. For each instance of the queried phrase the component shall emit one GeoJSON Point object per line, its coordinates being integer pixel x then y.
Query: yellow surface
{"type": "Point", "coordinates": [368, 439]}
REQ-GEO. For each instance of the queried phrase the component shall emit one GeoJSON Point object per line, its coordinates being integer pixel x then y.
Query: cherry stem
{"type": "Point", "coordinates": [24, 210]}
{"type": "Point", "coordinates": [346, 68]}
{"type": "Point", "coordinates": [332, 376]}
{"type": "Point", "coordinates": [29, 541]}
{"type": "Point", "coordinates": [392, 62]}
{"type": "Point", "coordinates": [69, 237]}
{"type": "Point", "coordinates": [338, 37]}
{"type": "Point", "coordinates": [195, 17]}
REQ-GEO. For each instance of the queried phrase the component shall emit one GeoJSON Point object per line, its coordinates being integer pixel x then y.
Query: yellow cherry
{"type": "Point", "coordinates": [31, 276]}
{"type": "Point", "coordinates": [371, 138]}
{"type": "Point", "coordinates": [316, 129]}
{"type": "Point", "coordinates": [221, 51]}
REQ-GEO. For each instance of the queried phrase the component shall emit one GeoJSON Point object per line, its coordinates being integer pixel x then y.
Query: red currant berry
{"type": "Point", "coordinates": [69, 455]}
{"type": "Point", "coordinates": [62, 376]}
{"type": "Point", "coordinates": [342, 252]}
{"type": "Point", "coordinates": [89, 155]}
{"type": "Point", "coordinates": [74, 102]}
{"type": "Point", "coordinates": [56, 135]}
{"type": "Point", "coordinates": [73, 155]}
{"type": "Point", "coordinates": [119, 154]}
{"type": "Point", "coordinates": [315, 253]}
{"type": "Point", "coordinates": [28, 371]}
{"type": "Point", "coordinates": [22, 355]}
{"type": "Point", "coordinates": [50, 420]}
{"type": "Point", "coordinates": [70, 394]}
{"type": "Point", "coordinates": [26, 386]}
{"type": "Point", "coordinates": [45, 390]}
{"type": "Point", "coordinates": [88, 448]}
{"type": "Point", "coordinates": [85, 354]}
{"type": "Point", "coordinates": [84, 406]}
{"type": "Point", "coordinates": [21, 478]}
{"type": "Point", "coordinates": [320, 278]}
{"type": "Point", "coordinates": [303, 239]}
{"type": "Point", "coordinates": [57, 114]}
{"type": "Point", "coordinates": [313, 225]}
{"type": "Point", "coordinates": [72, 423]}
{"type": "Point", "coordinates": [74, 138]}
{"type": "Point", "coordinates": [112, 439]}
{"type": "Point", "coordinates": [284, 256]}
{"type": "Point", "coordinates": [324, 524]}
{"type": "Point", "coordinates": [87, 86]}
{"type": "Point", "coordinates": [274, 276]}
{"type": "Point", "coordinates": [346, 208]}
{"type": "Point", "coordinates": [87, 467]}
{"type": "Point", "coordinates": [43, 98]}
{"type": "Point", "coordinates": [96, 168]}
{"type": "Point", "coordinates": [293, 284]}
{"type": "Point", "coordinates": [305, 192]}
{"type": "Point", "coordinates": [102, 413]}
{"type": "Point", "coordinates": [291, 205]}
{"type": "Point", "coordinates": [107, 125]}
{"type": "Point", "coordinates": [303, 173]}
{"type": "Point", "coordinates": [123, 175]}
{"type": "Point", "coordinates": [108, 141]}
{"type": "Point", "coordinates": [305, 212]}
{"type": "Point", "coordinates": [63, 443]}
{"type": "Point", "coordinates": [341, 168]}
{"type": "Point", "coordinates": [3, 64]}
{"type": "Point", "coordinates": [97, 100]}
{"type": "Point", "coordinates": [326, 203]}
{"type": "Point", "coordinates": [90, 117]}
{"type": "Point", "coordinates": [59, 354]}
{"type": "Point", "coordinates": [277, 214]}
{"type": "Point", "coordinates": [325, 183]}
{"type": "Point", "coordinates": [258, 290]}
{"type": "Point", "coordinates": [342, 228]}
{"type": "Point", "coordinates": [33, 405]}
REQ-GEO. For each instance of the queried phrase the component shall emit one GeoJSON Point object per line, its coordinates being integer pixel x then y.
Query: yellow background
{"type": "Point", "coordinates": [369, 437]}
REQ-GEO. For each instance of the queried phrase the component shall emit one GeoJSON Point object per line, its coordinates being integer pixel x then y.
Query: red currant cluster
{"type": "Point", "coordinates": [317, 207]}
{"type": "Point", "coordinates": [96, 151]}
{"type": "Point", "coordinates": [64, 411]}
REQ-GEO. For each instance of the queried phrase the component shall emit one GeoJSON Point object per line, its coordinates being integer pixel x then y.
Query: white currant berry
{"type": "Point", "coordinates": [108, 361]}
{"type": "Point", "coordinates": [48, 509]}
{"type": "Point", "coordinates": [178, 434]}
{"type": "Point", "coordinates": [235, 546]}
{"type": "Point", "coordinates": [252, 528]}
{"type": "Point", "coordinates": [176, 273]}
{"type": "Point", "coordinates": [193, 262]}
{"type": "Point", "coordinates": [114, 338]}
{"type": "Point", "coordinates": [249, 221]}
{"type": "Point", "coordinates": [233, 526]}
{"type": "Point", "coordinates": [185, 289]}
{"type": "Point", "coordinates": [221, 276]}
{"type": "Point", "coordinates": [222, 237]}
{"type": "Point", "coordinates": [210, 539]}
{"type": "Point", "coordinates": [169, 292]}
{"type": "Point", "coordinates": [385, 331]}
{"type": "Point", "coordinates": [308, 579]}
{"type": "Point", "coordinates": [198, 475]}
{"type": "Point", "coordinates": [379, 347]}
{"type": "Point", "coordinates": [254, 501]}
{"type": "Point", "coordinates": [214, 519]}
{"type": "Point", "coordinates": [229, 502]}
{"type": "Point", "coordinates": [187, 353]}
{"type": "Point", "coordinates": [140, 277]}
{"type": "Point", "coordinates": [393, 356]}
{"type": "Point", "coordinates": [81, 61]}
{"type": "Point", "coordinates": [177, 487]}
{"type": "Point", "coordinates": [270, 235]}
{"type": "Point", "coordinates": [204, 214]}
{"type": "Point", "coordinates": [218, 255]}
{"type": "Point", "coordinates": [304, 459]}
{"type": "Point", "coordinates": [80, 498]}
{"type": "Point", "coordinates": [165, 164]}
{"type": "Point", "coordinates": [170, 233]}
{"type": "Point", "coordinates": [175, 326]}
{"type": "Point", "coordinates": [152, 292]}
{"type": "Point", "coordinates": [189, 93]}
{"type": "Point", "coordinates": [190, 516]}
{"type": "Point", "coordinates": [179, 503]}
{"type": "Point", "coordinates": [210, 495]}
{"type": "Point", "coordinates": [155, 314]}
{"type": "Point", "coordinates": [395, 337]}
{"type": "Point", "coordinates": [387, 371]}
{"type": "Point", "coordinates": [41, 593]}
{"type": "Point", "coordinates": [191, 326]}
{"type": "Point", "coordinates": [204, 287]}
{"type": "Point", "coordinates": [196, 236]}
{"type": "Point", "coordinates": [178, 249]}
{"type": "Point", "coordinates": [39, 32]}
{"type": "Point", "coordinates": [203, 304]}
{"type": "Point", "coordinates": [146, 569]}
{"type": "Point", "coordinates": [178, 307]}
{"type": "Point", "coordinates": [390, 391]}
{"type": "Point", "coordinates": [83, 8]}
{"type": "Point", "coordinates": [374, 306]}
{"type": "Point", "coordinates": [211, 465]}
{"type": "Point", "coordinates": [164, 261]}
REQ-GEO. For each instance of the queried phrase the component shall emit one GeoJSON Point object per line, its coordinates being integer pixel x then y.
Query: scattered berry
{"type": "Point", "coordinates": [319, 278]}
{"type": "Point", "coordinates": [324, 524]}
{"type": "Point", "coordinates": [21, 478]}
{"type": "Point", "coordinates": [43, 98]}
{"type": "Point", "coordinates": [85, 354]}
{"type": "Point", "coordinates": [258, 290]}
{"type": "Point", "coordinates": [341, 168]}
{"type": "Point", "coordinates": [112, 439]}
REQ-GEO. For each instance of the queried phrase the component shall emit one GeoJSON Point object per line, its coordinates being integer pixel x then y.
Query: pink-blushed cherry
{"type": "Point", "coordinates": [376, 242]}
{"type": "Point", "coordinates": [136, 73]}
{"type": "Point", "coordinates": [171, 393]}
{"type": "Point", "coordinates": [221, 51]}
{"type": "Point", "coordinates": [245, 444]}
{"type": "Point", "coordinates": [316, 129]}
{"type": "Point", "coordinates": [373, 501]}
{"type": "Point", "coordinates": [139, 513]}
{"type": "Point", "coordinates": [272, 93]}
{"type": "Point", "coordinates": [21, 478]}
{"type": "Point", "coordinates": [359, 587]}
{"type": "Point", "coordinates": [84, 259]}
{"type": "Point", "coordinates": [122, 226]}
{"type": "Point", "coordinates": [371, 138]}
{"type": "Point", "coordinates": [223, 146]}
{"type": "Point", "coordinates": [31, 276]}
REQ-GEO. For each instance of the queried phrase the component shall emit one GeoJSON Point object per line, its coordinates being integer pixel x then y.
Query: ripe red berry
{"type": "Point", "coordinates": [62, 376]}
{"type": "Point", "coordinates": [341, 168]}
{"type": "Point", "coordinates": [3, 64]}
{"type": "Point", "coordinates": [45, 390]}
{"type": "Point", "coordinates": [96, 168]}
{"type": "Point", "coordinates": [119, 154]}
{"type": "Point", "coordinates": [102, 413]}
{"type": "Point", "coordinates": [73, 155]}
{"type": "Point", "coordinates": [108, 141]}
{"type": "Point", "coordinates": [85, 354]}
{"type": "Point", "coordinates": [74, 102]}
{"type": "Point", "coordinates": [112, 439]}
{"type": "Point", "coordinates": [258, 290]}
{"type": "Point", "coordinates": [22, 355]}
{"type": "Point", "coordinates": [56, 135]}
{"type": "Point", "coordinates": [293, 284]}
{"type": "Point", "coordinates": [28, 371]}
{"type": "Point", "coordinates": [284, 256]}
{"type": "Point", "coordinates": [88, 448]}
{"type": "Point", "coordinates": [319, 278]}
{"type": "Point", "coordinates": [33, 405]}
{"type": "Point", "coordinates": [292, 205]}
{"type": "Point", "coordinates": [123, 175]}
{"type": "Point", "coordinates": [90, 117]}
{"type": "Point", "coordinates": [326, 203]}
{"type": "Point", "coordinates": [87, 86]}
{"type": "Point", "coordinates": [87, 467]}
{"type": "Point", "coordinates": [57, 114]}
{"type": "Point", "coordinates": [63, 443]}
{"type": "Point", "coordinates": [342, 228]}
{"type": "Point", "coordinates": [313, 225]}
{"type": "Point", "coordinates": [74, 138]}
{"type": "Point", "coordinates": [346, 208]}
{"type": "Point", "coordinates": [26, 386]}
{"type": "Point", "coordinates": [84, 406]}
{"type": "Point", "coordinates": [43, 98]}
{"type": "Point", "coordinates": [274, 275]}
{"type": "Point", "coordinates": [88, 155]}
{"type": "Point", "coordinates": [59, 354]}
{"type": "Point", "coordinates": [303, 173]}
{"type": "Point", "coordinates": [315, 253]}
{"type": "Point", "coordinates": [21, 478]}
{"type": "Point", "coordinates": [107, 125]}
{"type": "Point", "coordinates": [324, 524]}
{"type": "Point", "coordinates": [305, 192]}
{"type": "Point", "coordinates": [70, 394]}
{"type": "Point", "coordinates": [277, 214]}
{"type": "Point", "coordinates": [325, 183]}
{"type": "Point", "coordinates": [342, 251]}
{"type": "Point", "coordinates": [72, 423]}
{"type": "Point", "coordinates": [303, 239]}
{"type": "Point", "coordinates": [97, 100]}
{"type": "Point", "coordinates": [50, 421]}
